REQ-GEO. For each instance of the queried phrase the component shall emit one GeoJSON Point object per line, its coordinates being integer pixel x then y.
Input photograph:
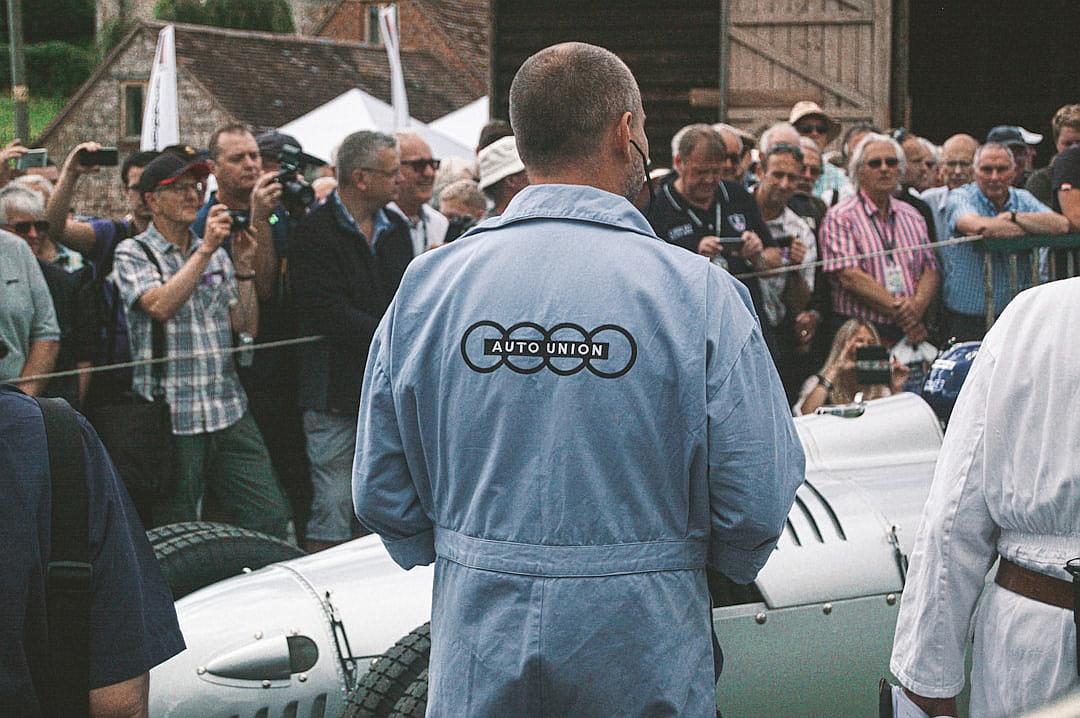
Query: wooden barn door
{"type": "Point", "coordinates": [834, 52]}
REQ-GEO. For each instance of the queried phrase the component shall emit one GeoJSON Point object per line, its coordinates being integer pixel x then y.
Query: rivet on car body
{"type": "Point", "coordinates": [266, 684]}
{"type": "Point", "coordinates": [258, 635]}
{"type": "Point", "coordinates": [761, 617]}
{"type": "Point", "coordinates": [302, 677]}
{"type": "Point", "coordinates": [200, 670]}
{"type": "Point", "coordinates": [826, 609]}
{"type": "Point", "coordinates": [891, 599]}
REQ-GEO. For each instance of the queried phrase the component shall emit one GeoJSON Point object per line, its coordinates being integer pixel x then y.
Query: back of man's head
{"type": "Point", "coordinates": [494, 130]}
{"type": "Point", "coordinates": [564, 99]}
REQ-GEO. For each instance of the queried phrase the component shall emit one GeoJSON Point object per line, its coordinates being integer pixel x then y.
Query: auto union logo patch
{"type": "Point", "coordinates": [608, 352]}
{"type": "Point", "coordinates": [737, 222]}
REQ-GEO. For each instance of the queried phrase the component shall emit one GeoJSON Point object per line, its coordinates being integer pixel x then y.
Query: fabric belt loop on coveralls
{"type": "Point", "coordinates": [554, 561]}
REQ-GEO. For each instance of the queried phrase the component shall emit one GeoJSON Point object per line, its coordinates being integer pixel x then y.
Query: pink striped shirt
{"type": "Point", "coordinates": [854, 227]}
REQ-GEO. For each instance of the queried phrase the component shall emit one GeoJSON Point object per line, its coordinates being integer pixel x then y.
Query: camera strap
{"type": "Point", "coordinates": [157, 333]}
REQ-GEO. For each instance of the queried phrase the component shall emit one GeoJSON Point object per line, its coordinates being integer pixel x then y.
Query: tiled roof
{"type": "Point", "coordinates": [464, 24]}
{"type": "Point", "coordinates": [267, 79]}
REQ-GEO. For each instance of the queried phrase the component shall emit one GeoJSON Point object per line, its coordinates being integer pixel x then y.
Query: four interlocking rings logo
{"type": "Point", "coordinates": [609, 351]}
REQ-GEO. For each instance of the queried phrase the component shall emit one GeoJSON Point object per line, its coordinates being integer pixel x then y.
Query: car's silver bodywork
{"type": "Point", "coordinates": [813, 645]}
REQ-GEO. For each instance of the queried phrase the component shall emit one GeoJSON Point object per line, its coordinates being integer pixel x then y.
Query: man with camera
{"type": "Point", "coordinates": [188, 284]}
{"type": "Point", "coordinates": [248, 173]}
{"type": "Point", "coordinates": [97, 240]}
{"type": "Point", "coordinates": [346, 261]}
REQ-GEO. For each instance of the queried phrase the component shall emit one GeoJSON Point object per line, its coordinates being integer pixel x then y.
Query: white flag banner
{"type": "Point", "coordinates": [398, 98]}
{"type": "Point", "coordinates": [161, 119]}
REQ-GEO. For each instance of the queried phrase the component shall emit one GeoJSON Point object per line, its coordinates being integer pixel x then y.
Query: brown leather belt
{"type": "Point", "coordinates": [1034, 585]}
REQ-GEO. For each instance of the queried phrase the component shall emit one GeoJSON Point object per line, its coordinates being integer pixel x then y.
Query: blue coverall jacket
{"type": "Point", "coordinates": [571, 417]}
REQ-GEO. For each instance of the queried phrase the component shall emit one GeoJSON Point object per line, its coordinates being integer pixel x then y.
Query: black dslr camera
{"type": "Point", "coordinates": [296, 193]}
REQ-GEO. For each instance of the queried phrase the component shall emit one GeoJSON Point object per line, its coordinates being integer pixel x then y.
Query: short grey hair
{"type": "Point", "coordinates": [765, 142]}
{"type": "Point", "coordinates": [21, 199]}
{"type": "Point", "coordinates": [36, 183]}
{"type": "Point", "coordinates": [452, 170]}
{"type": "Point", "coordinates": [808, 145]}
{"type": "Point", "coordinates": [564, 98]}
{"type": "Point", "coordinates": [690, 137]}
{"type": "Point", "coordinates": [466, 192]}
{"type": "Point", "coordinates": [934, 150]}
{"type": "Point", "coordinates": [993, 146]}
{"type": "Point", "coordinates": [857, 156]}
{"type": "Point", "coordinates": [360, 150]}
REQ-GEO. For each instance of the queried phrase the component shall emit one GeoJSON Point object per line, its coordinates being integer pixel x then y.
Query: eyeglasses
{"type": "Point", "coordinates": [183, 188]}
{"type": "Point", "coordinates": [379, 170]}
{"type": "Point", "coordinates": [878, 161]}
{"type": "Point", "coordinates": [421, 164]}
{"type": "Point", "coordinates": [806, 128]}
{"type": "Point", "coordinates": [41, 226]}
{"type": "Point", "coordinates": [957, 164]}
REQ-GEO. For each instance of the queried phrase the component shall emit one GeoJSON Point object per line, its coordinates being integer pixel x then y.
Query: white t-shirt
{"type": "Point", "coordinates": [792, 225]}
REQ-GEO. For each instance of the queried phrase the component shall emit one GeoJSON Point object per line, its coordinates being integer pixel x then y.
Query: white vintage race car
{"type": "Point", "coordinates": [810, 637]}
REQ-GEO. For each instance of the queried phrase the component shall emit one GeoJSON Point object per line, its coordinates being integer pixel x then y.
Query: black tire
{"type": "Point", "coordinates": [190, 561]}
{"type": "Point", "coordinates": [161, 534]}
{"type": "Point", "coordinates": [414, 703]}
{"type": "Point", "coordinates": [390, 676]}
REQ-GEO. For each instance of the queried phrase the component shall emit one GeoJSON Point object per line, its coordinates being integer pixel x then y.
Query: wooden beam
{"type": "Point", "coordinates": [815, 18]}
{"type": "Point", "coordinates": [766, 50]}
{"type": "Point", "coordinates": [738, 98]}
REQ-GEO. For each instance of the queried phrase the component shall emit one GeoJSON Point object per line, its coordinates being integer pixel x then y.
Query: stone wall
{"type": "Point", "coordinates": [97, 115]}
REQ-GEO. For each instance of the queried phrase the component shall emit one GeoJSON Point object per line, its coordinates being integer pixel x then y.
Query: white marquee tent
{"type": "Point", "coordinates": [322, 130]}
{"type": "Point", "coordinates": [464, 124]}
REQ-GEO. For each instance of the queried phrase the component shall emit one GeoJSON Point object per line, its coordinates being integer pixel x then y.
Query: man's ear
{"type": "Point", "coordinates": [624, 133]}
{"type": "Point", "coordinates": [149, 201]}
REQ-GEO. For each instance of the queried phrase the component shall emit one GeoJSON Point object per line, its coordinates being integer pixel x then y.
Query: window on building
{"type": "Point", "coordinates": [131, 109]}
{"type": "Point", "coordinates": [373, 36]}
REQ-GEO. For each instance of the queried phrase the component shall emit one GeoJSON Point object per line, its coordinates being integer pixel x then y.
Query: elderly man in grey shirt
{"type": "Point", "coordinates": [29, 334]}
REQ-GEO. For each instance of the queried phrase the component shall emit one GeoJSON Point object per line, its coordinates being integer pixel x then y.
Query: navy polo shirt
{"type": "Point", "coordinates": [133, 623]}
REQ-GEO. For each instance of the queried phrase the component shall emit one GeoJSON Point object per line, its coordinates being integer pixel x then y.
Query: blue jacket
{"type": "Point", "coordinates": [572, 417]}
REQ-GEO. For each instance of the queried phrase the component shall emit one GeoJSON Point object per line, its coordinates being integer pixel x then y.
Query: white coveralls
{"type": "Point", "coordinates": [571, 417]}
{"type": "Point", "coordinates": [1007, 482]}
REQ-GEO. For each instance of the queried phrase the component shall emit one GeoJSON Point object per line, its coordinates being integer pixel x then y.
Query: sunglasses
{"type": "Point", "coordinates": [806, 128]}
{"type": "Point", "coordinates": [41, 226]}
{"type": "Point", "coordinates": [878, 161]}
{"type": "Point", "coordinates": [422, 164]}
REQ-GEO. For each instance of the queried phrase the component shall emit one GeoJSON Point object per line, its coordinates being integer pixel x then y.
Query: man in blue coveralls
{"type": "Point", "coordinates": [572, 418]}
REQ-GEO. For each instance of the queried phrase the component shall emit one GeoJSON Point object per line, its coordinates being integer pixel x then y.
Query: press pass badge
{"type": "Point", "coordinates": [894, 279]}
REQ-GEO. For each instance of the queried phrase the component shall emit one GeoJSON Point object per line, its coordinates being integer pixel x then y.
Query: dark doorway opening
{"type": "Point", "coordinates": [979, 63]}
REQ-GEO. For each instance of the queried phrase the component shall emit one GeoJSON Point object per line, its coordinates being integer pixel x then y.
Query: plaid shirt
{"type": "Point", "coordinates": [854, 227]}
{"type": "Point", "coordinates": [203, 392]}
{"type": "Point", "coordinates": [962, 288]}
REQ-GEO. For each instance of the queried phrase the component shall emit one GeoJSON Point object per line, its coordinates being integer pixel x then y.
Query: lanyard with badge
{"type": "Point", "coordinates": [894, 275]}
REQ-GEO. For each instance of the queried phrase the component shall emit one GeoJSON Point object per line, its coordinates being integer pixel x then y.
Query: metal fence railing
{"type": "Point", "coordinates": [1062, 260]}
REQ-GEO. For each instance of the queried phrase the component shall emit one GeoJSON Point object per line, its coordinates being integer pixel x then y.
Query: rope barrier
{"type": "Point", "coordinates": [172, 358]}
{"type": "Point", "coordinates": [777, 271]}
{"type": "Point", "coordinates": [869, 255]}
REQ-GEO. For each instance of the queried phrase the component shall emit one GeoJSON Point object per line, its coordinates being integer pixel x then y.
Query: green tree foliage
{"type": "Point", "coordinates": [53, 69]}
{"type": "Point", "coordinates": [43, 20]}
{"type": "Point", "coordinates": [265, 15]}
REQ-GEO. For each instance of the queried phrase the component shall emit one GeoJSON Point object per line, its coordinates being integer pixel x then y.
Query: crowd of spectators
{"type": "Point", "coordinates": [839, 238]}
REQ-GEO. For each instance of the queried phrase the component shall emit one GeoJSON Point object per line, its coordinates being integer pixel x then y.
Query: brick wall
{"type": "Point", "coordinates": [98, 116]}
{"type": "Point", "coordinates": [307, 14]}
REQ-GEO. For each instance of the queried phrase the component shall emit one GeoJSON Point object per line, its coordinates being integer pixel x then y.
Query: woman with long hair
{"type": "Point", "coordinates": [835, 383]}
